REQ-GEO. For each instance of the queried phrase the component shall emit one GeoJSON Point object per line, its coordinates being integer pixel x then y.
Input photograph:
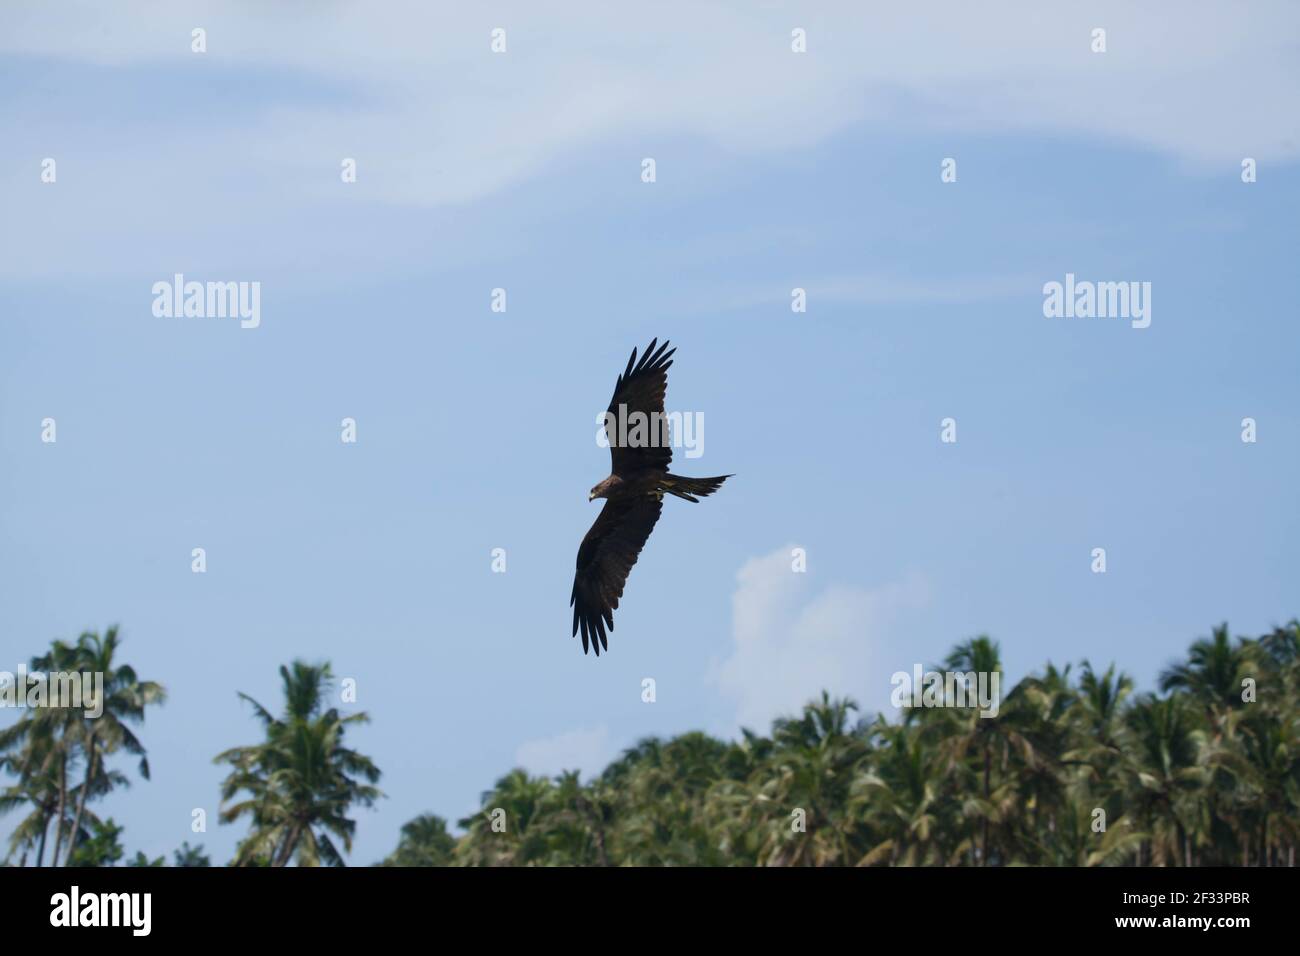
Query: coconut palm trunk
{"type": "Point", "coordinates": [60, 807]}
{"type": "Point", "coordinates": [289, 845]}
{"type": "Point", "coordinates": [92, 757]}
{"type": "Point", "coordinates": [984, 853]}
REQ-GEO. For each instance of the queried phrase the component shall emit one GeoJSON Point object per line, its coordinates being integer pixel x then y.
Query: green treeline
{"type": "Point", "coordinates": [1076, 769]}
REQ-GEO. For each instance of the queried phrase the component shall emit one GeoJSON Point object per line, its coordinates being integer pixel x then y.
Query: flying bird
{"type": "Point", "coordinates": [633, 492]}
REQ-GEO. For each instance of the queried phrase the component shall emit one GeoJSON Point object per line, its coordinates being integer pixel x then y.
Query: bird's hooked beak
{"type": "Point", "coordinates": [591, 496]}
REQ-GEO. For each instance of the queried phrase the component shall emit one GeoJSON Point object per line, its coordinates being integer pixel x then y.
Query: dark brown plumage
{"type": "Point", "coordinates": [633, 494]}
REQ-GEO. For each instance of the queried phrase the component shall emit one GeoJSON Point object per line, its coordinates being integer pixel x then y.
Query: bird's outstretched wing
{"type": "Point", "coordinates": [641, 388]}
{"type": "Point", "coordinates": [605, 558]}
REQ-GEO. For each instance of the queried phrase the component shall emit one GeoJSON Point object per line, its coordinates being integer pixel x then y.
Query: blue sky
{"type": "Point", "coordinates": [476, 430]}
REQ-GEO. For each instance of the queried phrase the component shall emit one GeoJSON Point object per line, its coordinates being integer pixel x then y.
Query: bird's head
{"type": "Point", "coordinates": [602, 489]}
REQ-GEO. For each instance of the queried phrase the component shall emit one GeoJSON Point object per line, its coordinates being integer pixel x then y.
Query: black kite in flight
{"type": "Point", "coordinates": [633, 493]}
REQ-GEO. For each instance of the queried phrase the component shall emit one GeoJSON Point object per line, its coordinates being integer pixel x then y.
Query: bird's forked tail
{"type": "Point", "coordinates": [689, 488]}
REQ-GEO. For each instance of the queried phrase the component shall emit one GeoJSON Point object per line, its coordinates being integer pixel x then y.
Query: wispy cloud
{"type": "Point", "coordinates": [435, 119]}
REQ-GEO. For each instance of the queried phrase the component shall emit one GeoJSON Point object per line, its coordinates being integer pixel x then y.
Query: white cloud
{"type": "Point", "coordinates": [442, 119]}
{"type": "Point", "coordinates": [793, 640]}
{"type": "Point", "coordinates": [587, 750]}
{"type": "Point", "coordinates": [435, 119]}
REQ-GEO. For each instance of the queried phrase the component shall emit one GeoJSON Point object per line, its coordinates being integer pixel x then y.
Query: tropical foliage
{"type": "Point", "coordinates": [60, 755]}
{"type": "Point", "coordinates": [1077, 768]}
{"type": "Point", "coordinates": [298, 784]}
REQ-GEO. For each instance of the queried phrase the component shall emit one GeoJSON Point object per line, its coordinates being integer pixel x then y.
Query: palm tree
{"type": "Point", "coordinates": [1282, 644]}
{"type": "Point", "coordinates": [1262, 755]}
{"type": "Point", "coordinates": [37, 788]}
{"type": "Point", "coordinates": [1213, 673]}
{"type": "Point", "coordinates": [301, 781]}
{"type": "Point", "coordinates": [49, 745]}
{"type": "Point", "coordinates": [511, 829]}
{"type": "Point", "coordinates": [190, 856]}
{"type": "Point", "coordinates": [51, 735]}
{"type": "Point", "coordinates": [1099, 739]}
{"type": "Point", "coordinates": [424, 842]}
{"type": "Point", "coordinates": [801, 808]}
{"type": "Point", "coordinates": [977, 746]}
{"type": "Point", "coordinates": [664, 790]}
{"type": "Point", "coordinates": [1165, 775]}
{"type": "Point", "coordinates": [1071, 841]}
{"type": "Point", "coordinates": [125, 699]}
{"type": "Point", "coordinates": [899, 796]}
{"type": "Point", "coordinates": [1101, 702]}
{"type": "Point", "coordinates": [1046, 711]}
